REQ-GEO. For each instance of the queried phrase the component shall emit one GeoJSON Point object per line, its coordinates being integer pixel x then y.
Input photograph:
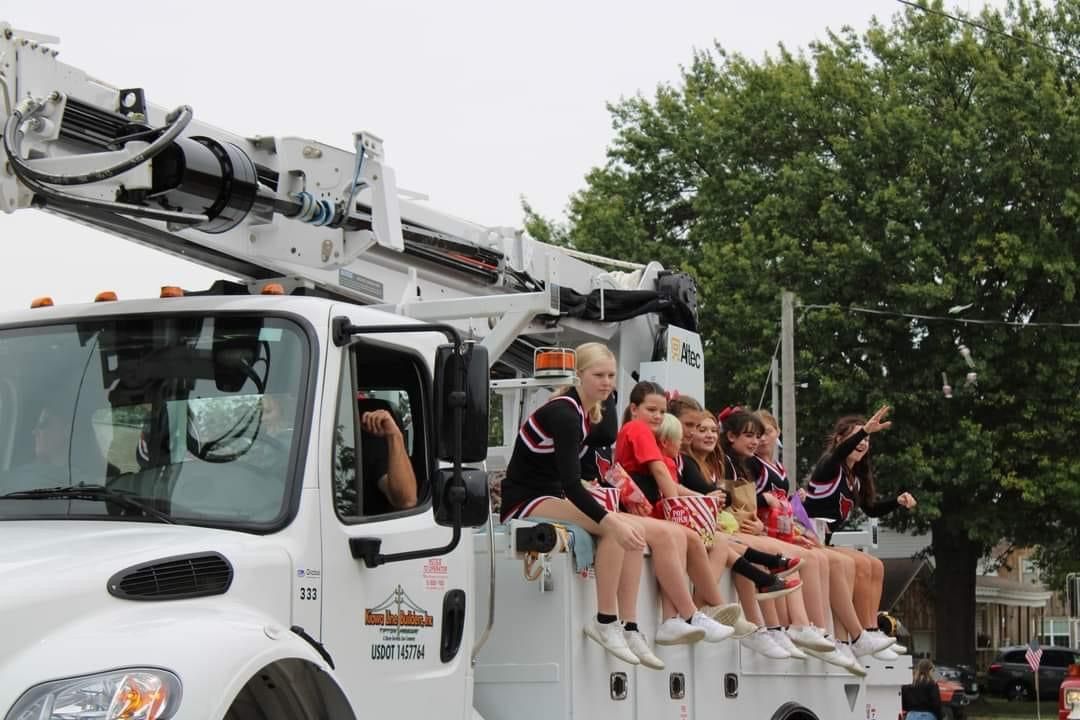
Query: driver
{"type": "Point", "coordinates": [385, 458]}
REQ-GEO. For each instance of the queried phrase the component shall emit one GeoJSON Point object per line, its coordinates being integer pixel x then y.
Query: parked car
{"type": "Point", "coordinates": [963, 674]}
{"type": "Point", "coordinates": [953, 700]}
{"type": "Point", "coordinates": [1011, 677]}
{"type": "Point", "coordinates": [958, 689]}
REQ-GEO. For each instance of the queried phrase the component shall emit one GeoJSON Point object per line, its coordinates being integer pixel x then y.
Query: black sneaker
{"type": "Point", "coordinates": [779, 587]}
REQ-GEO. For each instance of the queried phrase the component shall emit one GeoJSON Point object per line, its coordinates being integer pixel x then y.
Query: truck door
{"type": "Point", "coordinates": [399, 633]}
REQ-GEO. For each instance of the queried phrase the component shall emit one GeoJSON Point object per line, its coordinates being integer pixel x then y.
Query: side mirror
{"type": "Point", "coordinates": [465, 387]}
{"type": "Point", "coordinates": [475, 506]}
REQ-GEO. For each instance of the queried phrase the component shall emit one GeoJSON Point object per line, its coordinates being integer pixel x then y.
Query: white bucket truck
{"type": "Point", "coordinates": [190, 523]}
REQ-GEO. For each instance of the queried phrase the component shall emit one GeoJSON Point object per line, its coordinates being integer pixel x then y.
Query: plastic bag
{"type": "Point", "coordinates": [779, 519]}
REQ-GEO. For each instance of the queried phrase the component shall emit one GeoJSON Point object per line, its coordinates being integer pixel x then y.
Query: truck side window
{"type": "Point", "coordinates": [380, 436]}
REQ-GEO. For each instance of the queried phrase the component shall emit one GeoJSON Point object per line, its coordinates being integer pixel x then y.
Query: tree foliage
{"type": "Point", "coordinates": [917, 167]}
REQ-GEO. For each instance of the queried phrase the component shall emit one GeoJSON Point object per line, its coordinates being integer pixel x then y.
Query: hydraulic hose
{"type": "Point", "coordinates": [178, 120]}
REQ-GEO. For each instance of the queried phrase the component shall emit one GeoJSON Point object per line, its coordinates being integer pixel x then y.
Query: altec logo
{"type": "Point", "coordinates": [684, 353]}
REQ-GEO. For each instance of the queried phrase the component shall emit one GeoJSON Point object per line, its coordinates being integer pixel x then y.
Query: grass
{"type": "Point", "coordinates": [992, 708]}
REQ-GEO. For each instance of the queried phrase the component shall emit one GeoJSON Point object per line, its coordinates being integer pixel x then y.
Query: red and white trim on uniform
{"type": "Point", "coordinates": [824, 490]}
{"type": "Point", "coordinates": [525, 509]}
{"type": "Point", "coordinates": [766, 466]}
{"type": "Point", "coordinates": [540, 441]}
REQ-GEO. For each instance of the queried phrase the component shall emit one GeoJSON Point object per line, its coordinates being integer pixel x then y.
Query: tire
{"type": "Point", "coordinates": [793, 711]}
{"type": "Point", "coordinates": [1015, 691]}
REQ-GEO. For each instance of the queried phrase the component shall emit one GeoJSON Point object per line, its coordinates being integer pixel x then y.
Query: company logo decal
{"type": "Point", "coordinates": [684, 352]}
{"type": "Point", "coordinates": [400, 622]}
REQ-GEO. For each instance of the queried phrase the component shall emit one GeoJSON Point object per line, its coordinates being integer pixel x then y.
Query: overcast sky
{"type": "Point", "coordinates": [479, 103]}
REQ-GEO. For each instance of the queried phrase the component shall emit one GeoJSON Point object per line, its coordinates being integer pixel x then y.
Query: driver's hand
{"type": "Point", "coordinates": [379, 423]}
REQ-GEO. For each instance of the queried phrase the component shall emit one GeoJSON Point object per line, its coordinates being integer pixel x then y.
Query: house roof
{"type": "Point", "coordinates": [1003, 591]}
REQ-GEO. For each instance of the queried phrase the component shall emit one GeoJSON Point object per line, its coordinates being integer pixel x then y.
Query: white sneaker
{"type": "Point", "coordinates": [676, 631]}
{"type": "Point", "coordinates": [731, 614]}
{"type": "Point", "coordinates": [610, 637]}
{"type": "Point", "coordinates": [784, 642]}
{"type": "Point", "coordinates": [809, 637]}
{"type": "Point", "coordinates": [837, 658]}
{"type": "Point", "coordinates": [895, 647]}
{"type": "Point", "coordinates": [763, 644]}
{"type": "Point", "coordinates": [854, 666]}
{"type": "Point", "coordinates": [868, 643]}
{"type": "Point", "coordinates": [638, 645]}
{"type": "Point", "coordinates": [714, 631]}
{"type": "Point", "coordinates": [888, 655]}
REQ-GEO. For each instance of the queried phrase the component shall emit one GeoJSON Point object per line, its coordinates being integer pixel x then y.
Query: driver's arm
{"type": "Point", "coordinates": [398, 484]}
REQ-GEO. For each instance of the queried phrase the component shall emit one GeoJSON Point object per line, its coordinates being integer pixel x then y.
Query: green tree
{"type": "Point", "coordinates": [917, 167]}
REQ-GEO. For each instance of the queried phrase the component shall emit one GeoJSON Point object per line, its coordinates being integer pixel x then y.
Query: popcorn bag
{"type": "Point", "coordinates": [607, 497]}
{"type": "Point", "coordinates": [631, 499]}
{"type": "Point", "coordinates": [697, 512]}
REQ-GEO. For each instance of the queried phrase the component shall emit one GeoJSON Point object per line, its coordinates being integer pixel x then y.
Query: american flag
{"type": "Point", "coordinates": [1033, 655]}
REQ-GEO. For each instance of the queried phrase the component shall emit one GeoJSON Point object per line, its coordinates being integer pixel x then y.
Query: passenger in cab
{"type": "Point", "coordinates": [543, 481]}
{"type": "Point", "coordinates": [843, 480]}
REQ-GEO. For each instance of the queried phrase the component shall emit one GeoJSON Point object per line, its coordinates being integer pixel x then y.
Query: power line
{"type": "Point", "coordinates": [985, 29]}
{"type": "Point", "coordinates": [940, 318]}
{"type": "Point", "coordinates": [768, 377]}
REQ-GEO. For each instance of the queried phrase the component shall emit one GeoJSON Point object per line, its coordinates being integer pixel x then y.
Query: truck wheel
{"type": "Point", "coordinates": [793, 711]}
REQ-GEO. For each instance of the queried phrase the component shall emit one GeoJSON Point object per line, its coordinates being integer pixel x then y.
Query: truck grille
{"type": "Point", "coordinates": [174, 578]}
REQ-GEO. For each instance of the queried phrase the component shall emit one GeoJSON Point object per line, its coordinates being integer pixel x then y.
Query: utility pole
{"type": "Point", "coordinates": [787, 360]}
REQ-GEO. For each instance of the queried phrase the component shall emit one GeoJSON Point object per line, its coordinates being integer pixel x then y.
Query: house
{"type": "Point", "coordinates": [1011, 604]}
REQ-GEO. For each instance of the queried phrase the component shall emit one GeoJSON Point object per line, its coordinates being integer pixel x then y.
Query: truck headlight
{"type": "Point", "coordinates": [129, 694]}
{"type": "Point", "coordinates": [1072, 697]}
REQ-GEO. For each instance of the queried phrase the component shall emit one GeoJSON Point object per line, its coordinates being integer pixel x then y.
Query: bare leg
{"type": "Point", "coordinates": [872, 597]}
{"type": "Point", "coordinates": [610, 559]}
{"type": "Point", "coordinates": [668, 547]}
{"type": "Point", "coordinates": [841, 579]}
{"type": "Point", "coordinates": [748, 599]}
{"type": "Point", "coordinates": [699, 568]}
{"type": "Point", "coordinates": [629, 584]}
{"type": "Point", "coordinates": [864, 590]}
{"type": "Point", "coordinates": [770, 610]}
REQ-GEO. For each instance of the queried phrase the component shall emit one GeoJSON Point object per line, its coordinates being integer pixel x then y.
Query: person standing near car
{"type": "Point", "coordinates": [921, 699]}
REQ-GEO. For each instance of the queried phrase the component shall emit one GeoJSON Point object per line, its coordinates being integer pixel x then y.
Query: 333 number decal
{"type": "Point", "coordinates": [309, 593]}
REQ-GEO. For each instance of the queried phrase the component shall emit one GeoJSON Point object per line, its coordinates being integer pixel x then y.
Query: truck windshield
{"type": "Point", "coordinates": [188, 418]}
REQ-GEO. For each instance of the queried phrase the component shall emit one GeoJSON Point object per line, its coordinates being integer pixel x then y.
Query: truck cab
{"type": "Point", "coordinates": [183, 481]}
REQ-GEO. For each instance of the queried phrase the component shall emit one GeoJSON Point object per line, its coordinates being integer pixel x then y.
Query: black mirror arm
{"type": "Point", "coordinates": [367, 548]}
{"type": "Point", "coordinates": [343, 330]}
